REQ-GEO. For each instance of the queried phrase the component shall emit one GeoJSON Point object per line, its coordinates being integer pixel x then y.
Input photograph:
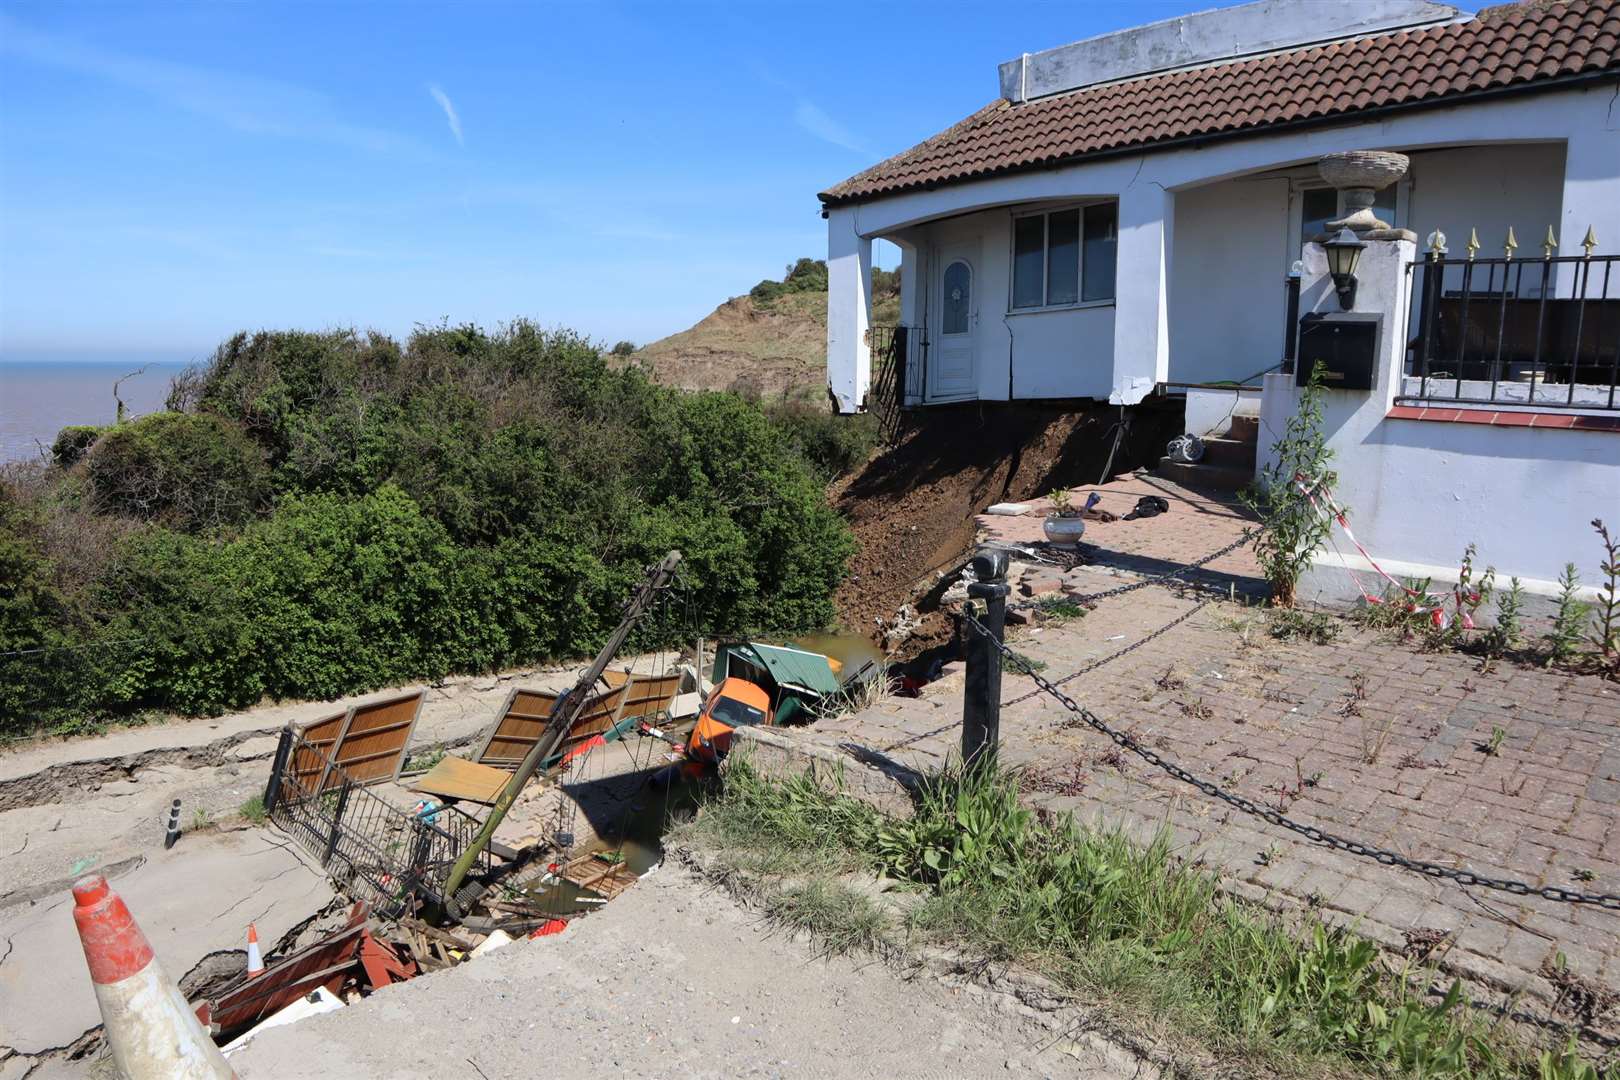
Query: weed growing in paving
{"type": "Point", "coordinates": [1291, 624]}
{"type": "Point", "coordinates": [1060, 609]}
{"type": "Point", "coordinates": [1569, 626]}
{"type": "Point", "coordinates": [1108, 918]}
{"type": "Point", "coordinates": [253, 810]}
{"type": "Point", "coordinates": [1017, 663]}
{"type": "Point", "coordinates": [1505, 635]}
{"type": "Point", "coordinates": [1607, 638]}
{"type": "Point", "coordinates": [1294, 526]}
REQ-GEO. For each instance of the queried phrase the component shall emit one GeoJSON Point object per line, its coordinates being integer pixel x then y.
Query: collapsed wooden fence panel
{"type": "Point", "coordinates": [367, 740]}
{"type": "Point", "coordinates": [524, 716]}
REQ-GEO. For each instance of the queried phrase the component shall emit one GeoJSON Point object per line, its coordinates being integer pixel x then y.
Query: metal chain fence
{"type": "Point", "coordinates": [1111, 657]}
{"type": "Point", "coordinates": [1608, 901]}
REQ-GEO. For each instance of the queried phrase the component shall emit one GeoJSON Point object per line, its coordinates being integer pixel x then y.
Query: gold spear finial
{"type": "Point", "coordinates": [1437, 244]}
{"type": "Point", "coordinates": [1512, 243]}
{"type": "Point", "coordinates": [1473, 243]}
{"type": "Point", "coordinates": [1549, 245]}
{"type": "Point", "coordinates": [1590, 242]}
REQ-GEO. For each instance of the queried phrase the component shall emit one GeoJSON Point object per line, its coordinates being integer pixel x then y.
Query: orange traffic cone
{"type": "Point", "coordinates": [153, 1033]}
{"type": "Point", "coordinates": [255, 966]}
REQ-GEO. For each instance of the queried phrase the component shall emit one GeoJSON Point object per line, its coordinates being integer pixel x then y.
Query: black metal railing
{"type": "Point", "coordinates": [1290, 323]}
{"type": "Point", "coordinates": [1541, 333]}
{"type": "Point", "coordinates": [372, 850]}
{"type": "Point", "coordinates": [899, 373]}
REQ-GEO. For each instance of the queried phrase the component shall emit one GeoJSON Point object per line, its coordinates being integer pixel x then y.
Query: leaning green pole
{"type": "Point", "coordinates": [568, 708]}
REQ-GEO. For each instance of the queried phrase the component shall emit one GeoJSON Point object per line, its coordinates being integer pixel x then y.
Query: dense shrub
{"type": "Point", "coordinates": [72, 442]}
{"type": "Point", "coordinates": [30, 610]}
{"type": "Point", "coordinates": [326, 513]}
{"type": "Point", "coordinates": [832, 445]}
{"type": "Point", "coordinates": [188, 471]}
{"type": "Point", "coordinates": [806, 275]}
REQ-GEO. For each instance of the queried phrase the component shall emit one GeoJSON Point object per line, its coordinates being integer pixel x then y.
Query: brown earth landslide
{"type": "Point", "coordinates": [912, 506]}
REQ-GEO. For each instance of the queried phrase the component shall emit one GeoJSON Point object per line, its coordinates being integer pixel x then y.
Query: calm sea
{"type": "Point", "coordinates": [38, 398]}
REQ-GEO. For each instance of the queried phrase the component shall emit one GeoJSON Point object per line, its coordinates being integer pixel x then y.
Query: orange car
{"type": "Point", "coordinates": [733, 704]}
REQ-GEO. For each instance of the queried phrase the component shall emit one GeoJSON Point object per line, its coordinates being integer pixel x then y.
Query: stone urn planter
{"type": "Point", "coordinates": [1361, 175]}
{"type": "Point", "coordinates": [1065, 525]}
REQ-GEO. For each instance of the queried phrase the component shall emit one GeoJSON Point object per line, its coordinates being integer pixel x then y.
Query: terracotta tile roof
{"type": "Point", "coordinates": [1508, 46]}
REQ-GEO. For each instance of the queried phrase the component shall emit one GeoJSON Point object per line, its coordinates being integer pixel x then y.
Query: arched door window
{"type": "Point", "coordinates": [958, 283]}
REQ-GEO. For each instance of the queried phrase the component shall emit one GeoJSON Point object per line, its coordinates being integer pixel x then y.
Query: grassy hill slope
{"type": "Point", "coordinates": [771, 342]}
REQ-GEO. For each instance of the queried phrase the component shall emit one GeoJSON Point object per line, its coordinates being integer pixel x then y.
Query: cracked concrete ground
{"type": "Point", "coordinates": [674, 979]}
{"type": "Point", "coordinates": [68, 807]}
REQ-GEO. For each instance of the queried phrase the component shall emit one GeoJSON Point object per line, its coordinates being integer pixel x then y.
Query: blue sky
{"type": "Point", "coordinates": [170, 173]}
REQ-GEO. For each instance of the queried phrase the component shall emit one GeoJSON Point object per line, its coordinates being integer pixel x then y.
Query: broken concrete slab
{"type": "Point", "coordinates": [254, 749]}
{"type": "Point", "coordinates": [192, 900]}
{"type": "Point", "coordinates": [1040, 582]}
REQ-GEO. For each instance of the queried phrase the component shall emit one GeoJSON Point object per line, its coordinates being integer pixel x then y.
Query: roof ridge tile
{"type": "Point", "coordinates": [1508, 45]}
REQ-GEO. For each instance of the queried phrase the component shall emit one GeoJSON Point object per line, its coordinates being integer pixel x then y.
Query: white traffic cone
{"type": "Point", "coordinates": [255, 966]}
{"type": "Point", "coordinates": [153, 1033]}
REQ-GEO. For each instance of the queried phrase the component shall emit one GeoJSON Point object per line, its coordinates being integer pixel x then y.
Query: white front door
{"type": "Point", "coordinates": [956, 321]}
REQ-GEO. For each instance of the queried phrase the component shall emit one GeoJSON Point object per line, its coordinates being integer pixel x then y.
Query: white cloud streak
{"type": "Point", "coordinates": [813, 119]}
{"type": "Point", "coordinates": [449, 111]}
{"type": "Point", "coordinates": [245, 103]}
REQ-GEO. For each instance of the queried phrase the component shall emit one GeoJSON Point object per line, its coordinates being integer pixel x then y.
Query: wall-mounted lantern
{"type": "Point", "coordinates": [1343, 256]}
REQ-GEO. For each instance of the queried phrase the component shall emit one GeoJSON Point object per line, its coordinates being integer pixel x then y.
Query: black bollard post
{"type": "Point", "coordinates": [272, 789]}
{"type": "Point", "coordinates": [981, 706]}
{"type": "Point", "coordinates": [172, 833]}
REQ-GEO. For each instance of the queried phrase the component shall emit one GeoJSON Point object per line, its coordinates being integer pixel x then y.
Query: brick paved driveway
{"type": "Point", "coordinates": [1399, 762]}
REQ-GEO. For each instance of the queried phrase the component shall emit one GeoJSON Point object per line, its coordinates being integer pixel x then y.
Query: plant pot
{"type": "Point", "coordinates": [1064, 531]}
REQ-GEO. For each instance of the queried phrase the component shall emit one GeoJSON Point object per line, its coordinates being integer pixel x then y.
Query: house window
{"type": "Point", "coordinates": [1320, 205]}
{"type": "Point", "coordinates": [1065, 256]}
{"type": "Point", "coordinates": [1317, 207]}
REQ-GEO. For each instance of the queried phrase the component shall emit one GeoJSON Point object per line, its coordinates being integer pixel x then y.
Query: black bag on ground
{"type": "Point", "coordinates": [1149, 506]}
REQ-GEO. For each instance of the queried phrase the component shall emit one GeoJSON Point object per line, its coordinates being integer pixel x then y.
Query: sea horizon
{"type": "Point", "coordinates": [39, 397]}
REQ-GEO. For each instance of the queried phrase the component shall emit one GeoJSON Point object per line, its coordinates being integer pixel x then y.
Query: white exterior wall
{"type": "Point", "coordinates": [1489, 188]}
{"type": "Point", "coordinates": [1418, 492]}
{"type": "Point", "coordinates": [1158, 317]}
{"type": "Point", "coordinates": [1051, 354]}
{"type": "Point", "coordinates": [1226, 279]}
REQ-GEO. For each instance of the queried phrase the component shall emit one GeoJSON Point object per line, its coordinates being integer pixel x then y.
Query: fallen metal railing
{"type": "Point", "coordinates": [371, 849]}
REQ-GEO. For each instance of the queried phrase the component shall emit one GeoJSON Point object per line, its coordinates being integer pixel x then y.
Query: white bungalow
{"type": "Point", "coordinates": [1124, 216]}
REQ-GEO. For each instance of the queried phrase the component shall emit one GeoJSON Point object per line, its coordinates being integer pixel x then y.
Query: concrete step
{"type": "Point", "coordinates": [1221, 477]}
{"type": "Point", "coordinates": [1245, 429]}
{"type": "Point", "coordinates": [1235, 453]}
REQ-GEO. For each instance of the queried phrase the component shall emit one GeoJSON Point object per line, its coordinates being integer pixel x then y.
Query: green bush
{"type": "Point", "coordinates": [806, 275]}
{"type": "Point", "coordinates": [331, 514]}
{"type": "Point", "coordinates": [72, 442]}
{"type": "Point", "coordinates": [190, 471]}
{"type": "Point", "coordinates": [832, 445]}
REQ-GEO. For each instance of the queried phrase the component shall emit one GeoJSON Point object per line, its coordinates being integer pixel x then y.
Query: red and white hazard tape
{"type": "Point", "coordinates": [1418, 601]}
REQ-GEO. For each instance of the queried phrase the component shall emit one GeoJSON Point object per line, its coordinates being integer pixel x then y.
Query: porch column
{"type": "Point", "coordinates": [849, 306]}
{"type": "Point", "coordinates": [1589, 201]}
{"type": "Point", "coordinates": [1141, 298]}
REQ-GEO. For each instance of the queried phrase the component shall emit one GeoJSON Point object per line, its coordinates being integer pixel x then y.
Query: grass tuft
{"type": "Point", "coordinates": [1108, 918]}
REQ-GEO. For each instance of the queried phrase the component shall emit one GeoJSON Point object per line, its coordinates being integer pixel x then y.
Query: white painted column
{"type": "Point", "coordinates": [849, 307]}
{"type": "Point", "coordinates": [1590, 158]}
{"type": "Point", "coordinates": [1141, 297]}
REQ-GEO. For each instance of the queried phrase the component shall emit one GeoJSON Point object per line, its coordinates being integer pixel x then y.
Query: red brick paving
{"type": "Point", "coordinates": [1401, 767]}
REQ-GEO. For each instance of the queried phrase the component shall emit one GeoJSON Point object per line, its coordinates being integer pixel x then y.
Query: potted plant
{"type": "Point", "coordinates": [1066, 523]}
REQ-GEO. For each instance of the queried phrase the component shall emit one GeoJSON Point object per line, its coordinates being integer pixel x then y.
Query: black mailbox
{"type": "Point", "coordinates": [1343, 347]}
